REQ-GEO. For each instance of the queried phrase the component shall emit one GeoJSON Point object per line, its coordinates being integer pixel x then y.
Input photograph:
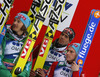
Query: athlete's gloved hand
{"type": "Point", "coordinates": [23, 74]}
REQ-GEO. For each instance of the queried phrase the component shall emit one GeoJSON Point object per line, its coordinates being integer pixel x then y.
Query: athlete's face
{"type": "Point", "coordinates": [17, 25]}
{"type": "Point", "coordinates": [71, 54]}
{"type": "Point", "coordinates": [63, 39]}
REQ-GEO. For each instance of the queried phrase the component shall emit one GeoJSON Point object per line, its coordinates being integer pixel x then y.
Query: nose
{"type": "Point", "coordinates": [62, 36]}
{"type": "Point", "coordinates": [68, 52]}
{"type": "Point", "coordinates": [15, 22]}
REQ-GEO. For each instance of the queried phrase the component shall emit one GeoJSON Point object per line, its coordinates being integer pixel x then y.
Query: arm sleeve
{"type": "Point", "coordinates": [3, 45]}
{"type": "Point", "coordinates": [76, 74]}
{"type": "Point", "coordinates": [83, 74]}
{"type": "Point", "coordinates": [3, 68]}
{"type": "Point", "coordinates": [50, 72]}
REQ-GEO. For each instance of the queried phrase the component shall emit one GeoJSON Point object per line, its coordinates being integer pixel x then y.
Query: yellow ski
{"type": "Point", "coordinates": [4, 12]}
{"type": "Point", "coordinates": [35, 7]}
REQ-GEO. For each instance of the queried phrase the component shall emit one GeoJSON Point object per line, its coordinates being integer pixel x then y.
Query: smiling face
{"type": "Point", "coordinates": [71, 54]}
{"type": "Point", "coordinates": [63, 39]}
{"type": "Point", "coordinates": [17, 25]}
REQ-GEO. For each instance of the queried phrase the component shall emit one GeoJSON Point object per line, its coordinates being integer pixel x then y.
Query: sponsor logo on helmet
{"type": "Point", "coordinates": [21, 16]}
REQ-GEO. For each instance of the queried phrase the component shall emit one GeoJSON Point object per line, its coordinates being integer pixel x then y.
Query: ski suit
{"type": "Point", "coordinates": [62, 69]}
{"type": "Point", "coordinates": [55, 54]}
{"type": "Point", "coordinates": [11, 46]}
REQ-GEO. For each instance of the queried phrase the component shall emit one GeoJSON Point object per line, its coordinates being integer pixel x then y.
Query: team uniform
{"type": "Point", "coordinates": [55, 54]}
{"type": "Point", "coordinates": [11, 46]}
{"type": "Point", "coordinates": [63, 69]}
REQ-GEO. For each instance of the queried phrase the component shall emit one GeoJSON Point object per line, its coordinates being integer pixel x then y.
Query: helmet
{"type": "Point", "coordinates": [70, 32]}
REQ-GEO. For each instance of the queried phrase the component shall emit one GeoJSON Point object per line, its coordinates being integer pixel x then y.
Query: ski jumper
{"type": "Point", "coordinates": [11, 46]}
{"type": "Point", "coordinates": [55, 54]}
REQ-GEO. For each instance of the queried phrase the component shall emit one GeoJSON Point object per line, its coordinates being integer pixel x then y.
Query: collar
{"type": "Point", "coordinates": [67, 64]}
{"type": "Point", "coordinates": [60, 49]}
{"type": "Point", "coordinates": [19, 38]}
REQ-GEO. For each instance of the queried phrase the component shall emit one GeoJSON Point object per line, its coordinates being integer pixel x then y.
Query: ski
{"type": "Point", "coordinates": [4, 12]}
{"type": "Point", "coordinates": [67, 14]}
{"type": "Point", "coordinates": [51, 29]}
{"type": "Point", "coordinates": [35, 7]}
{"type": "Point", "coordinates": [33, 34]}
{"type": "Point", "coordinates": [88, 37]}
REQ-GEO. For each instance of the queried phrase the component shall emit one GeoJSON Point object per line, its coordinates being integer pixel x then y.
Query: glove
{"type": "Point", "coordinates": [23, 74]}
